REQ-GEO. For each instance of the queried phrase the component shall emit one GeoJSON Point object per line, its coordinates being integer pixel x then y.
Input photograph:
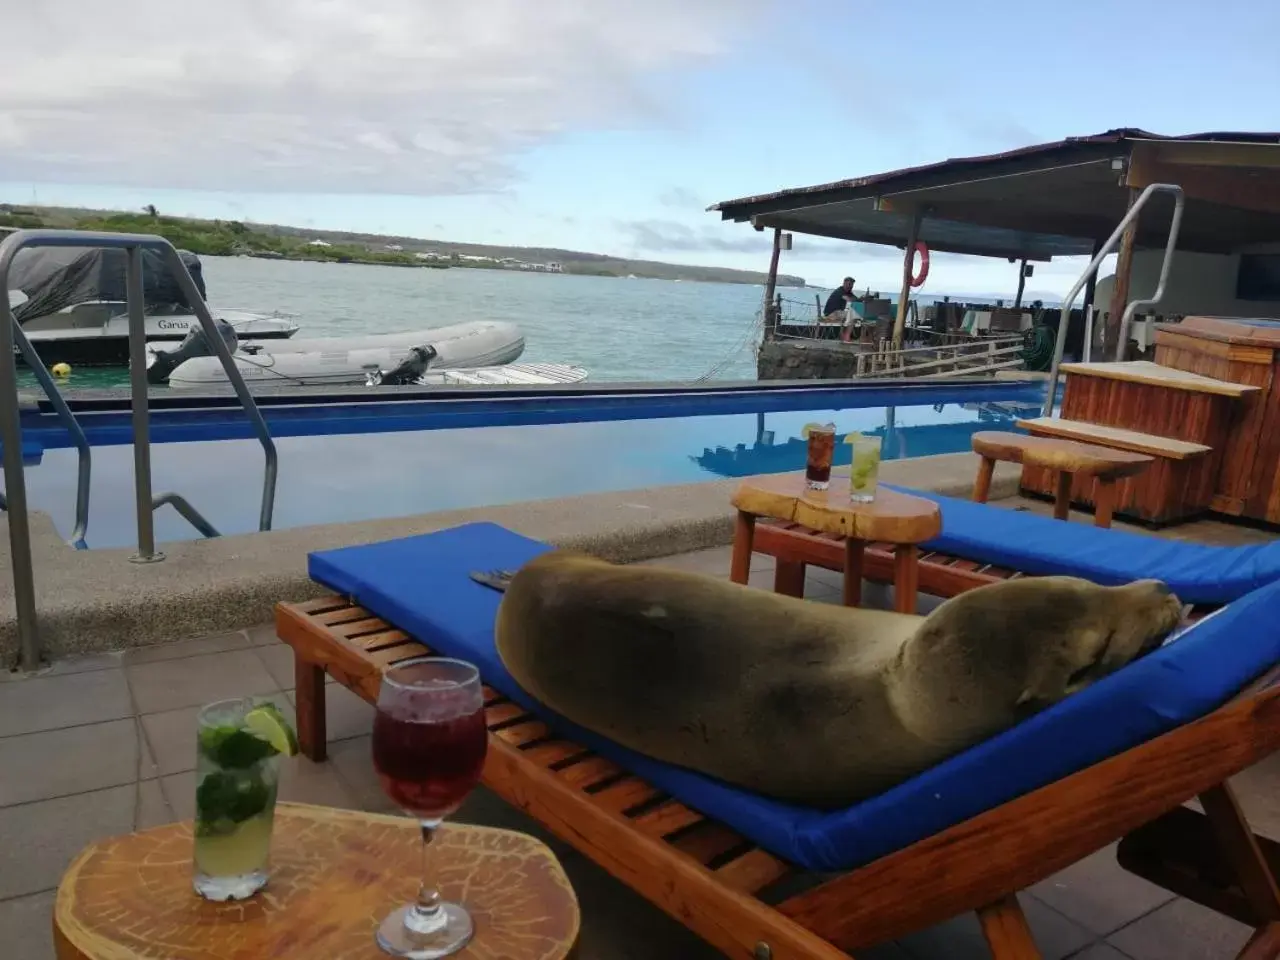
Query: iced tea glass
{"type": "Point", "coordinates": [429, 742]}
{"type": "Point", "coordinates": [864, 471]}
{"type": "Point", "coordinates": [822, 449]}
{"type": "Point", "coordinates": [237, 774]}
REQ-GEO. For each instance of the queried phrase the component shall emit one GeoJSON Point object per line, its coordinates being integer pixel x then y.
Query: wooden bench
{"type": "Point", "coordinates": [1065, 460]}
{"type": "Point", "coordinates": [732, 893]}
{"type": "Point", "coordinates": [1178, 482]}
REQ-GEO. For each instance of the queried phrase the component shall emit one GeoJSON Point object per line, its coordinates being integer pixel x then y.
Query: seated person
{"type": "Point", "coordinates": [840, 298]}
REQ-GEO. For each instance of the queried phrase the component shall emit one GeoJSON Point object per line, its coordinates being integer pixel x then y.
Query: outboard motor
{"type": "Point", "coordinates": [194, 344]}
{"type": "Point", "coordinates": [411, 368]}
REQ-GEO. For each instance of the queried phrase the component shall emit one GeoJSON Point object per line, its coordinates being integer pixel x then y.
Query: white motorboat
{"type": "Point", "coordinates": [341, 360]}
{"type": "Point", "coordinates": [96, 334]}
{"type": "Point", "coordinates": [72, 305]}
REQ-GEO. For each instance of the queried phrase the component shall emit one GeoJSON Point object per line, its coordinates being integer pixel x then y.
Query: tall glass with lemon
{"type": "Point", "coordinates": [239, 744]}
{"type": "Point", "coordinates": [864, 470]}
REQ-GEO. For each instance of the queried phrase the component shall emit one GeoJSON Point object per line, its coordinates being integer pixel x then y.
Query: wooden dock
{"type": "Point", "coordinates": [800, 357]}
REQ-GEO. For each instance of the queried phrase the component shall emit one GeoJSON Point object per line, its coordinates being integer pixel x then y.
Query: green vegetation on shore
{"type": "Point", "coordinates": [212, 238]}
{"type": "Point", "coordinates": [229, 238]}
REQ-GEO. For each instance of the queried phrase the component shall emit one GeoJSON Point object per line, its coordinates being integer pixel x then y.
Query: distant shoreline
{"type": "Point", "coordinates": [230, 238]}
{"type": "Point", "coordinates": [479, 266]}
{"type": "Point", "coordinates": [299, 257]}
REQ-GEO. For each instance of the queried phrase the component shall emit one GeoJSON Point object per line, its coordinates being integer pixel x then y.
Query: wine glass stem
{"type": "Point", "coordinates": [426, 917]}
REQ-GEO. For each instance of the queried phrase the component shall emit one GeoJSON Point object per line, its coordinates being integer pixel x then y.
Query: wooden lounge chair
{"type": "Point", "coordinates": [1204, 575]}
{"type": "Point", "coordinates": [794, 546]}
{"type": "Point", "coordinates": [720, 884]}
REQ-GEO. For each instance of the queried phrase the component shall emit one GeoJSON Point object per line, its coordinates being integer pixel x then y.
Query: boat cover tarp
{"type": "Point", "coordinates": [54, 278]}
{"type": "Point", "coordinates": [422, 585]}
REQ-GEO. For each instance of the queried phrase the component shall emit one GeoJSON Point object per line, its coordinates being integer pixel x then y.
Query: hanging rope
{"type": "Point", "coordinates": [754, 329]}
{"type": "Point", "coordinates": [1039, 343]}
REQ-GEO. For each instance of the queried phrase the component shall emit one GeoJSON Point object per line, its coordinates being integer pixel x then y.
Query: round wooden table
{"type": "Point", "coordinates": [334, 875]}
{"type": "Point", "coordinates": [897, 518]}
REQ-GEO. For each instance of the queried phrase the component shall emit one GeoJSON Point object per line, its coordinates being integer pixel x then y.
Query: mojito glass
{"type": "Point", "coordinates": [239, 745]}
{"type": "Point", "coordinates": [864, 471]}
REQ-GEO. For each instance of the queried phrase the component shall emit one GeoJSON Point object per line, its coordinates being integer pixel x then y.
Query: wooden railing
{"type": "Point", "coordinates": [978, 356]}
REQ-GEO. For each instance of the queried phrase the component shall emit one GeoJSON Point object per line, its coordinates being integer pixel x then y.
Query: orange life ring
{"type": "Point", "coordinates": [918, 279]}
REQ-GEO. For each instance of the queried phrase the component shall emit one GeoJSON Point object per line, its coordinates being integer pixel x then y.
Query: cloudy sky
{"type": "Point", "coordinates": [604, 125]}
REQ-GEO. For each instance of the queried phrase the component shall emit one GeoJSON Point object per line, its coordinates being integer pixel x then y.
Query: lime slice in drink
{"type": "Point", "coordinates": [268, 723]}
{"type": "Point", "coordinates": [810, 428]}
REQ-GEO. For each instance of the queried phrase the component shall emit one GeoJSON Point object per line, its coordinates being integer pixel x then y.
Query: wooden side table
{"type": "Point", "coordinates": [334, 875]}
{"type": "Point", "coordinates": [1066, 459]}
{"type": "Point", "coordinates": [893, 517]}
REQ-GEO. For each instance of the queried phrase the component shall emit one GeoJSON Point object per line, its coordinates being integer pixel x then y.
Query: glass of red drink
{"type": "Point", "coordinates": [821, 438]}
{"type": "Point", "coordinates": [429, 742]}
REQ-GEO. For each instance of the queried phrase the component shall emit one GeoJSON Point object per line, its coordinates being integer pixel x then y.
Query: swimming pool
{"type": "Point", "coordinates": [326, 477]}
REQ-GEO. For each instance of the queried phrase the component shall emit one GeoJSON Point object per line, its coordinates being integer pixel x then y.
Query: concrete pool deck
{"type": "Point", "coordinates": [97, 600]}
{"type": "Point", "coordinates": [101, 745]}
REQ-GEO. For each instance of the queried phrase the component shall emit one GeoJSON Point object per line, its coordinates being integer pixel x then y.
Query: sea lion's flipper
{"type": "Point", "coordinates": [493, 579]}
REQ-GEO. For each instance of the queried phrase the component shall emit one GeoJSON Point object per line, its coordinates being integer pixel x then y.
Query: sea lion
{"type": "Point", "coordinates": [808, 702]}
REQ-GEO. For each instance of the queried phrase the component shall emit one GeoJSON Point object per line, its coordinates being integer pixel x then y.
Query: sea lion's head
{"type": "Point", "coordinates": [1021, 645]}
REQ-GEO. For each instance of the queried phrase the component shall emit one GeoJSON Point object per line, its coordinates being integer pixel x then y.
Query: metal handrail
{"type": "Point", "coordinates": [1127, 318]}
{"type": "Point", "coordinates": [84, 460]}
{"type": "Point", "coordinates": [1179, 201]}
{"type": "Point", "coordinates": [11, 426]}
{"type": "Point", "coordinates": [187, 512]}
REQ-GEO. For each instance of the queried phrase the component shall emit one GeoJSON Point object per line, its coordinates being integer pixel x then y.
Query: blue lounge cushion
{"type": "Point", "coordinates": [421, 585]}
{"type": "Point", "coordinates": [1196, 572]}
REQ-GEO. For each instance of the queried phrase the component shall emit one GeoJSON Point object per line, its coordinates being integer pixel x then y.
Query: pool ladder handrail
{"type": "Point", "coordinates": [68, 419]}
{"type": "Point", "coordinates": [1175, 224]}
{"type": "Point", "coordinates": [11, 426]}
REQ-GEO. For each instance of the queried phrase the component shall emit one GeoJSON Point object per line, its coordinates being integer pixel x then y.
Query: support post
{"type": "Point", "coordinates": [1120, 294]}
{"type": "Point", "coordinates": [15, 483]}
{"type": "Point", "coordinates": [1090, 289]}
{"type": "Point", "coordinates": [908, 261]}
{"type": "Point", "coordinates": [771, 313]}
{"type": "Point", "coordinates": [1022, 282]}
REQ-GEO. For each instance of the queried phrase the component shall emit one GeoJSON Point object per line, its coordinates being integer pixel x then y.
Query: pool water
{"type": "Point", "coordinates": [326, 479]}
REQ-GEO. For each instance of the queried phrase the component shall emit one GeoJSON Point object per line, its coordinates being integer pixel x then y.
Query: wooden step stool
{"type": "Point", "coordinates": [1066, 461]}
{"type": "Point", "coordinates": [1177, 483]}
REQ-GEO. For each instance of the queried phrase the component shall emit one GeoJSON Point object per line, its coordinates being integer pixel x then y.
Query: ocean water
{"type": "Point", "coordinates": [617, 328]}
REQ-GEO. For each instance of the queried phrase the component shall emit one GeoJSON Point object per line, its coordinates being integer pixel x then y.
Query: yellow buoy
{"type": "Point", "coordinates": [61, 369]}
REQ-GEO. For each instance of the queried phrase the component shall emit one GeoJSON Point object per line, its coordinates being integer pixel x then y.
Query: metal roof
{"type": "Point", "coordinates": [1038, 202]}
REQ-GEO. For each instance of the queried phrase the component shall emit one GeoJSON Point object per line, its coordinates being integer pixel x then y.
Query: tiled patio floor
{"type": "Point", "coordinates": [103, 745]}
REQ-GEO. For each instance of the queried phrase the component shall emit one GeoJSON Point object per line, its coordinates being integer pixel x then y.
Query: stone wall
{"type": "Point", "coordinates": [791, 360]}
